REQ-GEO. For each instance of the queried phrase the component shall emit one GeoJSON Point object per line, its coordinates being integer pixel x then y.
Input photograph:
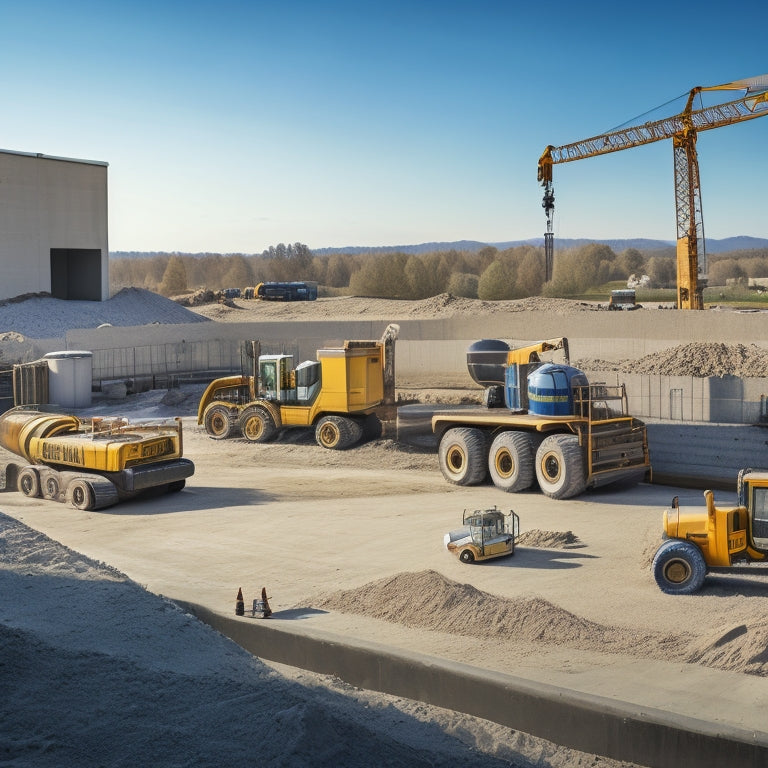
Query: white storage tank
{"type": "Point", "coordinates": [69, 378]}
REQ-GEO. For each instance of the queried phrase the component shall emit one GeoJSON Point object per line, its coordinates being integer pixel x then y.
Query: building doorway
{"type": "Point", "coordinates": [76, 274]}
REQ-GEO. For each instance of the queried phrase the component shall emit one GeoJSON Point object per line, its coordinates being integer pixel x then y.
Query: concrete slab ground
{"type": "Point", "coordinates": [306, 523]}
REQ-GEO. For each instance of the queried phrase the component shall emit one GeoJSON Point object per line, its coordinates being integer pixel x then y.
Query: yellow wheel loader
{"type": "Point", "coordinates": [341, 395]}
{"type": "Point", "coordinates": [711, 538]}
{"type": "Point", "coordinates": [90, 463]}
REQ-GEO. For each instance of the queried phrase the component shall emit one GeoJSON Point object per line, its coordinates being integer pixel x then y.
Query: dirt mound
{"type": "Point", "coordinates": [699, 359]}
{"type": "Point", "coordinates": [443, 305]}
{"type": "Point", "coordinates": [429, 600]}
{"type": "Point", "coordinates": [40, 317]}
{"type": "Point", "coordinates": [548, 539]}
{"type": "Point", "coordinates": [738, 649]}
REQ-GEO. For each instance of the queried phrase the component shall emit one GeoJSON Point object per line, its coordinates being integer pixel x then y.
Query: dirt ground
{"type": "Point", "coordinates": [350, 543]}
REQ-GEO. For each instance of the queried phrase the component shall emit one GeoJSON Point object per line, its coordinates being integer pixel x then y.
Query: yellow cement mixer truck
{"type": "Point", "coordinates": [90, 463]}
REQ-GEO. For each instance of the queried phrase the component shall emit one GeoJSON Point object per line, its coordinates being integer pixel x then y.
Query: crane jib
{"type": "Point", "coordinates": [659, 130]}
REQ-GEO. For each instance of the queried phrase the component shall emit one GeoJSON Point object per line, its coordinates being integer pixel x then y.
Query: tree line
{"type": "Point", "coordinates": [489, 273]}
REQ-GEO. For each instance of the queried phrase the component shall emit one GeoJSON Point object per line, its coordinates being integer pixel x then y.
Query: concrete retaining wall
{"type": "Point", "coordinates": [432, 353]}
{"type": "Point", "coordinates": [579, 721]}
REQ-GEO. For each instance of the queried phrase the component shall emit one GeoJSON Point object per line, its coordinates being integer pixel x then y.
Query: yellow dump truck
{"type": "Point", "coordinates": [711, 538]}
{"type": "Point", "coordinates": [341, 394]}
{"type": "Point", "coordinates": [91, 463]}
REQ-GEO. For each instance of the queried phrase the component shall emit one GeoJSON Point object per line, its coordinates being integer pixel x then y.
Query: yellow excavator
{"type": "Point", "coordinates": [91, 463]}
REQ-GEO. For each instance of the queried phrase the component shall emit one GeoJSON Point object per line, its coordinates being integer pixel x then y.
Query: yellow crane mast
{"type": "Point", "coordinates": [682, 128]}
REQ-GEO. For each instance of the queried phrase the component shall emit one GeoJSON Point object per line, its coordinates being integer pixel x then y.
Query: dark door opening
{"type": "Point", "coordinates": [76, 274]}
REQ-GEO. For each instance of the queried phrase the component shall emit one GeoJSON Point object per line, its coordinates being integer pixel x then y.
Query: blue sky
{"type": "Point", "coordinates": [231, 126]}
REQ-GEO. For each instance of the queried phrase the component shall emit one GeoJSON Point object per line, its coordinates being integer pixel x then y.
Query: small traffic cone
{"type": "Point", "coordinates": [267, 611]}
{"type": "Point", "coordinates": [239, 604]}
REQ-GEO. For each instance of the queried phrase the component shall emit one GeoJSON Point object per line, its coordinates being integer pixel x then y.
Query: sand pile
{"type": "Point", "coordinates": [698, 359]}
{"type": "Point", "coordinates": [738, 649]}
{"type": "Point", "coordinates": [429, 600]}
{"type": "Point", "coordinates": [548, 539]}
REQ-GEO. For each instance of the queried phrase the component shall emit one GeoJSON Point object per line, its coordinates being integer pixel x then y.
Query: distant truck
{"type": "Point", "coordinates": [623, 299]}
{"type": "Point", "coordinates": [288, 291]}
{"type": "Point", "coordinates": [542, 421]}
{"type": "Point", "coordinates": [90, 463]}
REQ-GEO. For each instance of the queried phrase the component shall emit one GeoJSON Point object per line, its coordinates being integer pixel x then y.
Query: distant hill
{"type": "Point", "coordinates": [740, 243]}
{"type": "Point", "coordinates": [726, 245]}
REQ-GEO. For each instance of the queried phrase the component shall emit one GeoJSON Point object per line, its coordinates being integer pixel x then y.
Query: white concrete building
{"type": "Point", "coordinates": [53, 227]}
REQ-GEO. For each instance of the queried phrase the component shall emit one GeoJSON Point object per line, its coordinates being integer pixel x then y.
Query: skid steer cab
{"type": "Point", "coordinates": [486, 533]}
{"type": "Point", "coordinates": [712, 538]}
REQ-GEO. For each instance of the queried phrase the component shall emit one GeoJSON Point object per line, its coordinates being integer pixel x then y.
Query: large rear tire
{"type": "Point", "coordinates": [257, 424]}
{"type": "Point", "coordinates": [560, 466]}
{"type": "Point", "coordinates": [338, 432]}
{"type": "Point", "coordinates": [679, 567]}
{"type": "Point", "coordinates": [80, 494]}
{"type": "Point", "coordinates": [29, 482]}
{"type": "Point", "coordinates": [219, 421]}
{"type": "Point", "coordinates": [463, 456]}
{"type": "Point", "coordinates": [510, 461]}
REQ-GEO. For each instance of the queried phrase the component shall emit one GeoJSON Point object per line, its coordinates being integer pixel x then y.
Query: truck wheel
{"type": "Point", "coordinates": [219, 421]}
{"type": "Point", "coordinates": [466, 556]}
{"type": "Point", "coordinates": [80, 494]}
{"type": "Point", "coordinates": [338, 432]}
{"type": "Point", "coordinates": [257, 424]}
{"type": "Point", "coordinates": [51, 487]}
{"type": "Point", "coordinates": [29, 482]}
{"type": "Point", "coordinates": [679, 567]}
{"type": "Point", "coordinates": [510, 461]}
{"type": "Point", "coordinates": [463, 456]}
{"type": "Point", "coordinates": [560, 467]}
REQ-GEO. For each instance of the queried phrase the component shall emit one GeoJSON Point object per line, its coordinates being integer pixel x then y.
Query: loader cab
{"type": "Point", "coordinates": [282, 383]}
{"type": "Point", "coordinates": [753, 494]}
{"type": "Point", "coordinates": [275, 377]}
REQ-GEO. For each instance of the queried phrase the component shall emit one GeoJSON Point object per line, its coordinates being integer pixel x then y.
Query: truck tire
{"type": "Point", "coordinates": [257, 424]}
{"type": "Point", "coordinates": [679, 567]}
{"type": "Point", "coordinates": [104, 493]}
{"type": "Point", "coordinates": [51, 486]}
{"type": "Point", "coordinates": [219, 421]}
{"type": "Point", "coordinates": [467, 556]}
{"type": "Point", "coordinates": [463, 455]}
{"type": "Point", "coordinates": [510, 461]}
{"type": "Point", "coordinates": [80, 494]}
{"type": "Point", "coordinates": [29, 482]}
{"type": "Point", "coordinates": [560, 466]}
{"type": "Point", "coordinates": [338, 432]}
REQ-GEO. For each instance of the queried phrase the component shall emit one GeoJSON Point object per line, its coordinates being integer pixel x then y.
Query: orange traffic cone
{"type": "Point", "coordinates": [267, 611]}
{"type": "Point", "coordinates": [239, 604]}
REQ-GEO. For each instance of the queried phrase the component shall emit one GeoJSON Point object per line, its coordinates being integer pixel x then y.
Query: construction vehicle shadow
{"type": "Point", "coordinates": [297, 613]}
{"type": "Point", "coordinates": [195, 499]}
{"type": "Point", "coordinates": [636, 495]}
{"type": "Point", "coordinates": [543, 559]}
{"type": "Point", "coordinates": [736, 583]}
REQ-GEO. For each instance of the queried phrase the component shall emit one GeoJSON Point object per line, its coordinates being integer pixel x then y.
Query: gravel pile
{"type": "Point", "coordinates": [699, 359]}
{"type": "Point", "coordinates": [43, 317]}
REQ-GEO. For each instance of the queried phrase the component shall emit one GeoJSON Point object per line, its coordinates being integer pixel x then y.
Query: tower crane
{"type": "Point", "coordinates": [682, 128]}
